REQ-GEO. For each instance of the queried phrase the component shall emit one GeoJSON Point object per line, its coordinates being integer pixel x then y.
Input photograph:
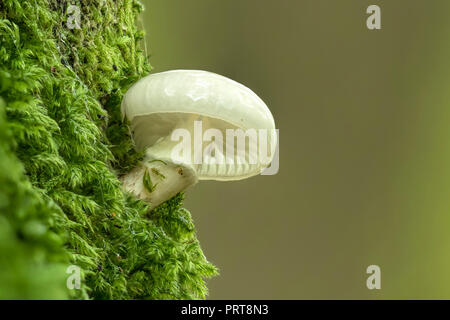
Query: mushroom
{"type": "Point", "coordinates": [167, 107]}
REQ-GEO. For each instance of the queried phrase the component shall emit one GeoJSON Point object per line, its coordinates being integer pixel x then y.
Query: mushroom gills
{"type": "Point", "coordinates": [158, 136]}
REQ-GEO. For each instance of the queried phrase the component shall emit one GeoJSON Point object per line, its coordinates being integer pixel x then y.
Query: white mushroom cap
{"type": "Point", "coordinates": [160, 103]}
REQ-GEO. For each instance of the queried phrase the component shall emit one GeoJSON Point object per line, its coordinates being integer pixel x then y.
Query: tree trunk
{"type": "Point", "coordinates": [64, 67]}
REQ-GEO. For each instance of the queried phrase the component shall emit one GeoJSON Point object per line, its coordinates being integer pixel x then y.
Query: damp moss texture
{"type": "Point", "coordinates": [62, 148]}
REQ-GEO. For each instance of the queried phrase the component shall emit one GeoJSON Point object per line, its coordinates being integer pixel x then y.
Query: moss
{"type": "Point", "coordinates": [63, 145]}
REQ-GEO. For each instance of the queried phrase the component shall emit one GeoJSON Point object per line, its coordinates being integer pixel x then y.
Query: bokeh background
{"type": "Point", "coordinates": [364, 144]}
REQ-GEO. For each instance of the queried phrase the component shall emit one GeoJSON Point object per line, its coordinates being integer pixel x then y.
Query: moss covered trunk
{"type": "Point", "coordinates": [62, 149]}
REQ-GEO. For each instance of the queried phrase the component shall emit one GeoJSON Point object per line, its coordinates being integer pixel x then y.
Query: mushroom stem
{"type": "Point", "coordinates": [157, 178]}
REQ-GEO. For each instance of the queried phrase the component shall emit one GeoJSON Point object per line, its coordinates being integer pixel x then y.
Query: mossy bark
{"type": "Point", "coordinates": [63, 147]}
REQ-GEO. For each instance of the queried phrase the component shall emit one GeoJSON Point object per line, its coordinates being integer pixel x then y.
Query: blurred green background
{"type": "Point", "coordinates": [364, 144]}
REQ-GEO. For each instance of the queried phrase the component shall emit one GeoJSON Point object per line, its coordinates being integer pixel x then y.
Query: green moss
{"type": "Point", "coordinates": [62, 147]}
